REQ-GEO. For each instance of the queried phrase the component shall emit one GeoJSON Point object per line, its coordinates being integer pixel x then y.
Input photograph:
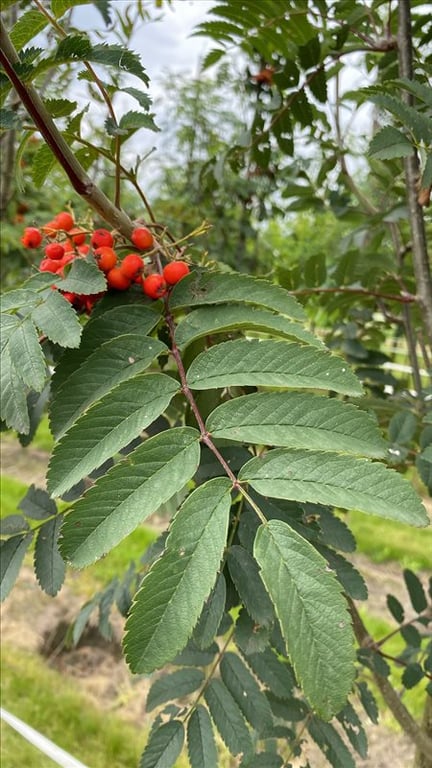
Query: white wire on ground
{"type": "Point", "coordinates": [57, 754]}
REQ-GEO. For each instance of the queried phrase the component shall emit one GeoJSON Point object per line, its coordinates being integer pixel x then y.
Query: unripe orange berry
{"type": "Point", "coordinates": [32, 237]}
{"type": "Point", "coordinates": [116, 279]}
{"type": "Point", "coordinates": [154, 286]}
{"type": "Point", "coordinates": [102, 237]}
{"type": "Point", "coordinates": [54, 251]}
{"type": "Point", "coordinates": [131, 265]}
{"type": "Point", "coordinates": [174, 271]}
{"type": "Point", "coordinates": [64, 220]}
{"type": "Point", "coordinates": [106, 258]}
{"type": "Point", "coordinates": [142, 238]}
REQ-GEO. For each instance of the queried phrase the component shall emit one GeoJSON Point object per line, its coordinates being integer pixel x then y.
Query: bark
{"type": "Point", "coordinates": [412, 174]}
{"type": "Point", "coordinates": [44, 123]}
{"type": "Point", "coordinates": [421, 738]}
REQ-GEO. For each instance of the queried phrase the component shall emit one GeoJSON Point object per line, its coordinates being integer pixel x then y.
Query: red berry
{"type": "Point", "coordinates": [84, 249]}
{"type": "Point", "coordinates": [64, 220]}
{"type": "Point", "coordinates": [116, 279]}
{"type": "Point", "coordinates": [50, 265]}
{"type": "Point", "coordinates": [131, 265]}
{"type": "Point", "coordinates": [106, 258]}
{"type": "Point", "coordinates": [69, 296]}
{"type": "Point", "coordinates": [102, 237]}
{"type": "Point", "coordinates": [78, 235]}
{"type": "Point", "coordinates": [32, 237]}
{"type": "Point", "coordinates": [174, 271]}
{"type": "Point", "coordinates": [50, 229]}
{"type": "Point", "coordinates": [54, 251]}
{"type": "Point", "coordinates": [154, 286]}
{"type": "Point", "coordinates": [142, 238]}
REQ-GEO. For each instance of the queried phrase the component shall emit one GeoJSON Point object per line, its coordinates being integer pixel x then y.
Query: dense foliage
{"type": "Point", "coordinates": [255, 421]}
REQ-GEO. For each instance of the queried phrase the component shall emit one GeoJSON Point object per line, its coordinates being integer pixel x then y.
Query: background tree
{"type": "Point", "coordinates": [248, 593]}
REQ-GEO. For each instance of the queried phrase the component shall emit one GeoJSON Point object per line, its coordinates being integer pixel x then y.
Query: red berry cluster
{"type": "Point", "coordinates": [66, 242]}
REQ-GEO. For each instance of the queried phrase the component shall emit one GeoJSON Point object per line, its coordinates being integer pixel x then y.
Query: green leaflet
{"type": "Point", "coordinates": [129, 493]}
{"type": "Point", "coordinates": [28, 26]}
{"type": "Point", "coordinates": [43, 163]}
{"type": "Point", "coordinates": [228, 718]}
{"type": "Point", "coordinates": [84, 277]}
{"type": "Point", "coordinates": [202, 751]}
{"type": "Point", "coordinates": [246, 692]}
{"type": "Point", "coordinates": [27, 356]}
{"type": "Point", "coordinates": [340, 481]}
{"type": "Point", "coordinates": [245, 575]}
{"type": "Point", "coordinates": [215, 288]}
{"type": "Point", "coordinates": [211, 616]}
{"type": "Point", "coordinates": [270, 363]}
{"type": "Point", "coordinates": [331, 744]}
{"type": "Point", "coordinates": [164, 746]}
{"type": "Point", "coordinates": [273, 672]}
{"type": "Point", "coordinates": [224, 317]}
{"type": "Point", "coordinates": [56, 318]}
{"type": "Point", "coordinates": [300, 420]}
{"type": "Point", "coordinates": [389, 142]}
{"type": "Point", "coordinates": [12, 554]}
{"type": "Point", "coordinates": [175, 685]}
{"type": "Point", "coordinates": [107, 426]}
{"type": "Point", "coordinates": [49, 565]}
{"type": "Point", "coordinates": [115, 361]}
{"type": "Point", "coordinates": [313, 615]}
{"type": "Point", "coordinates": [170, 600]}
{"type": "Point", "coordinates": [14, 411]}
{"type": "Point", "coordinates": [135, 318]}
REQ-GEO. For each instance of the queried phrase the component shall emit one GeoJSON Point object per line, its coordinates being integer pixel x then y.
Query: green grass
{"type": "Point", "coordinates": [48, 702]}
{"type": "Point", "coordinates": [384, 540]}
{"type": "Point", "coordinates": [43, 439]}
{"type": "Point", "coordinates": [12, 491]}
{"type": "Point", "coordinates": [115, 563]}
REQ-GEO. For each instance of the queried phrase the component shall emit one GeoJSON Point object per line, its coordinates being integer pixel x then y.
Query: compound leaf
{"type": "Point", "coordinates": [313, 615]}
{"type": "Point", "coordinates": [107, 426]}
{"type": "Point", "coordinates": [341, 481]}
{"type": "Point", "coordinates": [128, 494]}
{"type": "Point", "coordinates": [173, 592]}
{"type": "Point", "coordinates": [269, 363]}
{"type": "Point", "coordinates": [300, 420]}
